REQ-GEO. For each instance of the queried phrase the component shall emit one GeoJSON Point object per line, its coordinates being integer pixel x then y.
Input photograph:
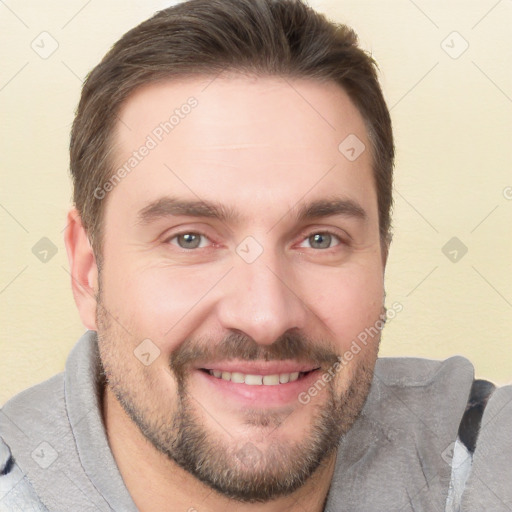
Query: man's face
{"type": "Point", "coordinates": [244, 248]}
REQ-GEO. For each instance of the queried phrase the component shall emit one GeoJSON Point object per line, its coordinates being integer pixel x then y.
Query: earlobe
{"type": "Point", "coordinates": [83, 269]}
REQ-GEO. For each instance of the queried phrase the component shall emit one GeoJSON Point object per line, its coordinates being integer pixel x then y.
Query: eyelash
{"type": "Point", "coordinates": [341, 240]}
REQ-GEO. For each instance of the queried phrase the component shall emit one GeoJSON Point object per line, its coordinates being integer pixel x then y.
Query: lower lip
{"type": "Point", "coordinates": [261, 395]}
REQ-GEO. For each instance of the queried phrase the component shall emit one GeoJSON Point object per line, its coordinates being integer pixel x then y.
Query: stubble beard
{"type": "Point", "coordinates": [238, 469]}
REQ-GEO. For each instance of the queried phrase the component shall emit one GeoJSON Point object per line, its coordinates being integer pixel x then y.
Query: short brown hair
{"type": "Point", "coordinates": [263, 37]}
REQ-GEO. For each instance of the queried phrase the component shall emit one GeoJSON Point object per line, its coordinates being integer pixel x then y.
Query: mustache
{"type": "Point", "coordinates": [237, 345]}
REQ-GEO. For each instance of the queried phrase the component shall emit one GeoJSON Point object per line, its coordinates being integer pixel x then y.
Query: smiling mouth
{"type": "Point", "coordinates": [257, 380]}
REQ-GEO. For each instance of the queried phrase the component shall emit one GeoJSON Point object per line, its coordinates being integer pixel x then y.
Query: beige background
{"type": "Point", "coordinates": [453, 125]}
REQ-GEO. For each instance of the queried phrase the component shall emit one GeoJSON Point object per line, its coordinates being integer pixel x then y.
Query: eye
{"type": "Point", "coordinates": [189, 240]}
{"type": "Point", "coordinates": [321, 240]}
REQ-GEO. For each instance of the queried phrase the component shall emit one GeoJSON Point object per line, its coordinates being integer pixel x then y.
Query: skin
{"type": "Point", "coordinates": [263, 147]}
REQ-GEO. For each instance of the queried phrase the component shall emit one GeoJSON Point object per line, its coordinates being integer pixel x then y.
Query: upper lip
{"type": "Point", "coordinates": [259, 367]}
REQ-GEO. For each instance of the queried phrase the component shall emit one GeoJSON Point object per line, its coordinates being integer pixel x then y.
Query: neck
{"type": "Point", "coordinates": [154, 481]}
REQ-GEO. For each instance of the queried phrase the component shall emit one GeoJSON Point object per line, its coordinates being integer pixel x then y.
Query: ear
{"type": "Point", "coordinates": [83, 268]}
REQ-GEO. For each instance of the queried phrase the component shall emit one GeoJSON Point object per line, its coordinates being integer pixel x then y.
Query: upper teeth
{"type": "Point", "coordinates": [256, 380]}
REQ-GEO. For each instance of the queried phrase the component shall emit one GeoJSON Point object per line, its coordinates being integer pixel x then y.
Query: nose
{"type": "Point", "coordinates": [262, 301]}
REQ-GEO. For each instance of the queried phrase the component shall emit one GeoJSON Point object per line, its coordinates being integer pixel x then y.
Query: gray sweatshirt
{"type": "Point", "coordinates": [402, 454]}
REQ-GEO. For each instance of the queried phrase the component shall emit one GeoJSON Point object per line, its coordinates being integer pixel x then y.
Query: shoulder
{"type": "Point", "coordinates": [409, 421]}
{"type": "Point", "coordinates": [420, 392]}
{"type": "Point", "coordinates": [39, 390]}
{"type": "Point", "coordinates": [423, 383]}
{"type": "Point", "coordinates": [418, 372]}
{"type": "Point", "coordinates": [36, 398]}
{"type": "Point", "coordinates": [33, 409]}
{"type": "Point", "coordinates": [16, 492]}
{"type": "Point", "coordinates": [488, 486]}
{"type": "Point", "coordinates": [26, 416]}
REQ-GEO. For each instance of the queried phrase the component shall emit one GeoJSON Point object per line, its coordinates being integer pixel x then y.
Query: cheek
{"type": "Point", "coordinates": [159, 302]}
{"type": "Point", "coordinates": [351, 301]}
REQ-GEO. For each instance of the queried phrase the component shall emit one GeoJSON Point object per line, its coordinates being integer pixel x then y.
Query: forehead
{"type": "Point", "coordinates": [310, 110]}
{"type": "Point", "coordinates": [254, 141]}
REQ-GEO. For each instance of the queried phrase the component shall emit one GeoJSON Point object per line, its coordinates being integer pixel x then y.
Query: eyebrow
{"type": "Point", "coordinates": [330, 207]}
{"type": "Point", "coordinates": [170, 206]}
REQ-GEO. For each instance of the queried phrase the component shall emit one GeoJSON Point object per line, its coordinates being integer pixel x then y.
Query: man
{"type": "Point", "coordinates": [232, 164]}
